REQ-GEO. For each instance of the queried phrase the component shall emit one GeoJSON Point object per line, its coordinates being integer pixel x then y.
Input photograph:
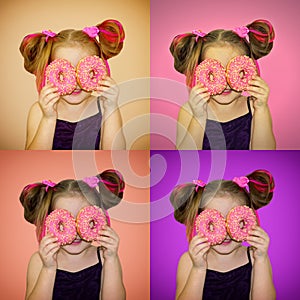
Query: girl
{"type": "Point", "coordinates": [79, 120]}
{"type": "Point", "coordinates": [78, 270]}
{"type": "Point", "coordinates": [229, 120]}
{"type": "Point", "coordinates": [228, 270]}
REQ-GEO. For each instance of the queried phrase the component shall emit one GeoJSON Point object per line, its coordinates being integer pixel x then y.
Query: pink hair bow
{"type": "Point", "coordinates": [48, 184]}
{"type": "Point", "coordinates": [198, 34]}
{"type": "Point", "coordinates": [91, 181]}
{"type": "Point", "coordinates": [198, 183]}
{"type": "Point", "coordinates": [48, 34]}
{"type": "Point", "coordinates": [91, 31]}
{"type": "Point", "coordinates": [241, 31]}
{"type": "Point", "coordinates": [241, 181]}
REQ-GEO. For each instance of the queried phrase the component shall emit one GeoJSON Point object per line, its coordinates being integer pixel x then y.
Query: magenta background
{"type": "Point", "coordinates": [278, 69]}
{"type": "Point", "coordinates": [280, 218]}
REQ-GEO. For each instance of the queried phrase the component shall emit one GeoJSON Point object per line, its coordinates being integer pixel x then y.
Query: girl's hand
{"type": "Point", "coordinates": [259, 91]}
{"type": "Point", "coordinates": [198, 99]}
{"type": "Point", "coordinates": [260, 240]}
{"type": "Point", "coordinates": [48, 101]}
{"type": "Point", "coordinates": [48, 251]}
{"type": "Point", "coordinates": [108, 91]}
{"type": "Point", "coordinates": [198, 249]}
{"type": "Point", "coordinates": [109, 242]}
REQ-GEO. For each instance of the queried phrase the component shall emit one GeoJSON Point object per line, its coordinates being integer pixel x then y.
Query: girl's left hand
{"type": "Point", "coordinates": [108, 91]}
{"type": "Point", "coordinates": [109, 242]}
{"type": "Point", "coordinates": [259, 90]}
{"type": "Point", "coordinates": [260, 240]}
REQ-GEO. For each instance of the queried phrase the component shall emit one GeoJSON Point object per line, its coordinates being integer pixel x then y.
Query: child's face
{"type": "Point", "coordinates": [73, 203]}
{"type": "Point", "coordinates": [223, 54]}
{"type": "Point", "coordinates": [73, 54]}
{"type": "Point", "coordinates": [224, 205]}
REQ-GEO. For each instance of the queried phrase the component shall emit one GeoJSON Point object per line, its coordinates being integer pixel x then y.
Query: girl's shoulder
{"type": "Point", "coordinates": [185, 261]}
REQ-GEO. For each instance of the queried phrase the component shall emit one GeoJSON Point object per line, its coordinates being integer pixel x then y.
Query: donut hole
{"type": "Point", "coordinates": [211, 227]}
{"type": "Point", "coordinates": [92, 224]}
{"type": "Point", "coordinates": [61, 226]}
{"type": "Point", "coordinates": [242, 74]}
{"type": "Point", "coordinates": [92, 74]}
{"type": "Point", "coordinates": [211, 77]}
{"type": "Point", "coordinates": [242, 224]}
{"type": "Point", "coordinates": [61, 77]}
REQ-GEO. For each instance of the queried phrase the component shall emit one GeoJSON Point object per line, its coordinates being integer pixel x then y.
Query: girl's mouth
{"type": "Point", "coordinates": [76, 242]}
{"type": "Point", "coordinates": [226, 92]}
{"type": "Point", "coordinates": [226, 242]}
{"type": "Point", "coordinates": [76, 92]}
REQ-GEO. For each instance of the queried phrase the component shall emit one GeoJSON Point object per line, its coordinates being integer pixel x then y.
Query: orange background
{"type": "Point", "coordinates": [18, 91]}
{"type": "Point", "coordinates": [18, 241]}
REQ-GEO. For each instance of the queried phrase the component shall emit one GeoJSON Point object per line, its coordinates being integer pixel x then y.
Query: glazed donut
{"type": "Point", "coordinates": [90, 221]}
{"type": "Point", "coordinates": [211, 224]}
{"type": "Point", "coordinates": [90, 70]}
{"type": "Point", "coordinates": [211, 74]}
{"type": "Point", "coordinates": [239, 222]}
{"type": "Point", "coordinates": [61, 224]}
{"type": "Point", "coordinates": [240, 70]}
{"type": "Point", "coordinates": [61, 74]}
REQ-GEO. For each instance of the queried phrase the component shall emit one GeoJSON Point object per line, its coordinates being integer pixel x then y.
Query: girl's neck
{"type": "Point", "coordinates": [77, 261]}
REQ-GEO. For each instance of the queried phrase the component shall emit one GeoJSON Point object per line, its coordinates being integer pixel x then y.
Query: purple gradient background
{"type": "Point", "coordinates": [278, 69]}
{"type": "Point", "coordinates": [280, 218]}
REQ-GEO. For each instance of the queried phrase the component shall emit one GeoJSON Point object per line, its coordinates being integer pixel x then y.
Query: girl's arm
{"type": "Point", "coordinates": [192, 120]}
{"type": "Point", "coordinates": [262, 283]}
{"type": "Point", "coordinates": [41, 120]}
{"type": "Point", "coordinates": [191, 270]}
{"type": "Point", "coordinates": [41, 270]}
{"type": "Point", "coordinates": [262, 133]}
{"type": "Point", "coordinates": [112, 136]}
{"type": "Point", "coordinates": [112, 287]}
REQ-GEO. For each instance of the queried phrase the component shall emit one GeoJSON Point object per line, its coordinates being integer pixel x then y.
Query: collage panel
{"type": "Point", "coordinates": [183, 37]}
{"type": "Point", "coordinates": [71, 109]}
{"type": "Point", "coordinates": [173, 172]}
{"type": "Point", "coordinates": [27, 172]}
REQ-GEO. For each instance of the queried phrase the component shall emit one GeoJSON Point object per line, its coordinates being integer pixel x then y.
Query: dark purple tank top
{"type": "Point", "coordinates": [81, 285]}
{"type": "Point", "coordinates": [232, 135]}
{"type": "Point", "coordinates": [232, 285]}
{"type": "Point", "coordinates": [82, 135]}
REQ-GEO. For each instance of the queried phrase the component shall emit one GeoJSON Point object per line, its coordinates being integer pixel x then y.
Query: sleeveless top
{"type": "Point", "coordinates": [231, 285]}
{"type": "Point", "coordinates": [80, 285]}
{"type": "Point", "coordinates": [232, 135]}
{"type": "Point", "coordinates": [82, 135]}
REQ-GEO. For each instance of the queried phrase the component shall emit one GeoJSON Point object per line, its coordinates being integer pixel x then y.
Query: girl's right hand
{"type": "Point", "coordinates": [48, 251]}
{"type": "Point", "coordinates": [198, 99]}
{"type": "Point", "coordinates": [48, 101]}
{"type": "Point", "coordinates": [198, 250]}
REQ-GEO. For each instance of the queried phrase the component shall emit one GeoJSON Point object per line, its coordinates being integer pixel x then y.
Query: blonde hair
{"type": "Point", "coordinates": [37, 49]}
{"type": "Point", "coordinates": [188, 49]}
{"type": "Point", "coordinates": [188, 201]}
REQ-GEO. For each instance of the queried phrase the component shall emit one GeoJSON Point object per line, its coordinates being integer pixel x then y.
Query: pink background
{"type": "Point", "coordinates": [18, 241]}
{"type": "Point", "coordinates": [278, 69]}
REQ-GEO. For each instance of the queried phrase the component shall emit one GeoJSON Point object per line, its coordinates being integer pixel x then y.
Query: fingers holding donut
{"type": "Point", "coordinates": [259, 90]}
{"type": "Point", "coordinates": [48, 99]}
{"type": "Point", "coordinates": [260, 241]}
{"type": "Point", "coordinates": [198, 250]}
{"type": "Point", "coordinates": [109, 242]}
{"type": "Point", "coordinates": [108, 90]}
{"type": "Point", "coordinates": [198, 100]}
{"type": "Point", "coordinates": [48, 249]}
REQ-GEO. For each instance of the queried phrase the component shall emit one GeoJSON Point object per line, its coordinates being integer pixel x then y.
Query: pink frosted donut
{"type": "Point", "coordinates": [240, 221]}
{"type": "Point", "coordinates": [90, 221]}
{"type": "Point", "coordinates": [61, 74]}
{"type": "Point", "coordinates": [90, 70]}
{"type": "Point", "coordinates": [212, 75]}
{"type": "Point", "coordinates": [211, 224]}
{"type": "Point", "coordinates": [240, 70]}
{"type": "Point", "coordinates": [61, 224]}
